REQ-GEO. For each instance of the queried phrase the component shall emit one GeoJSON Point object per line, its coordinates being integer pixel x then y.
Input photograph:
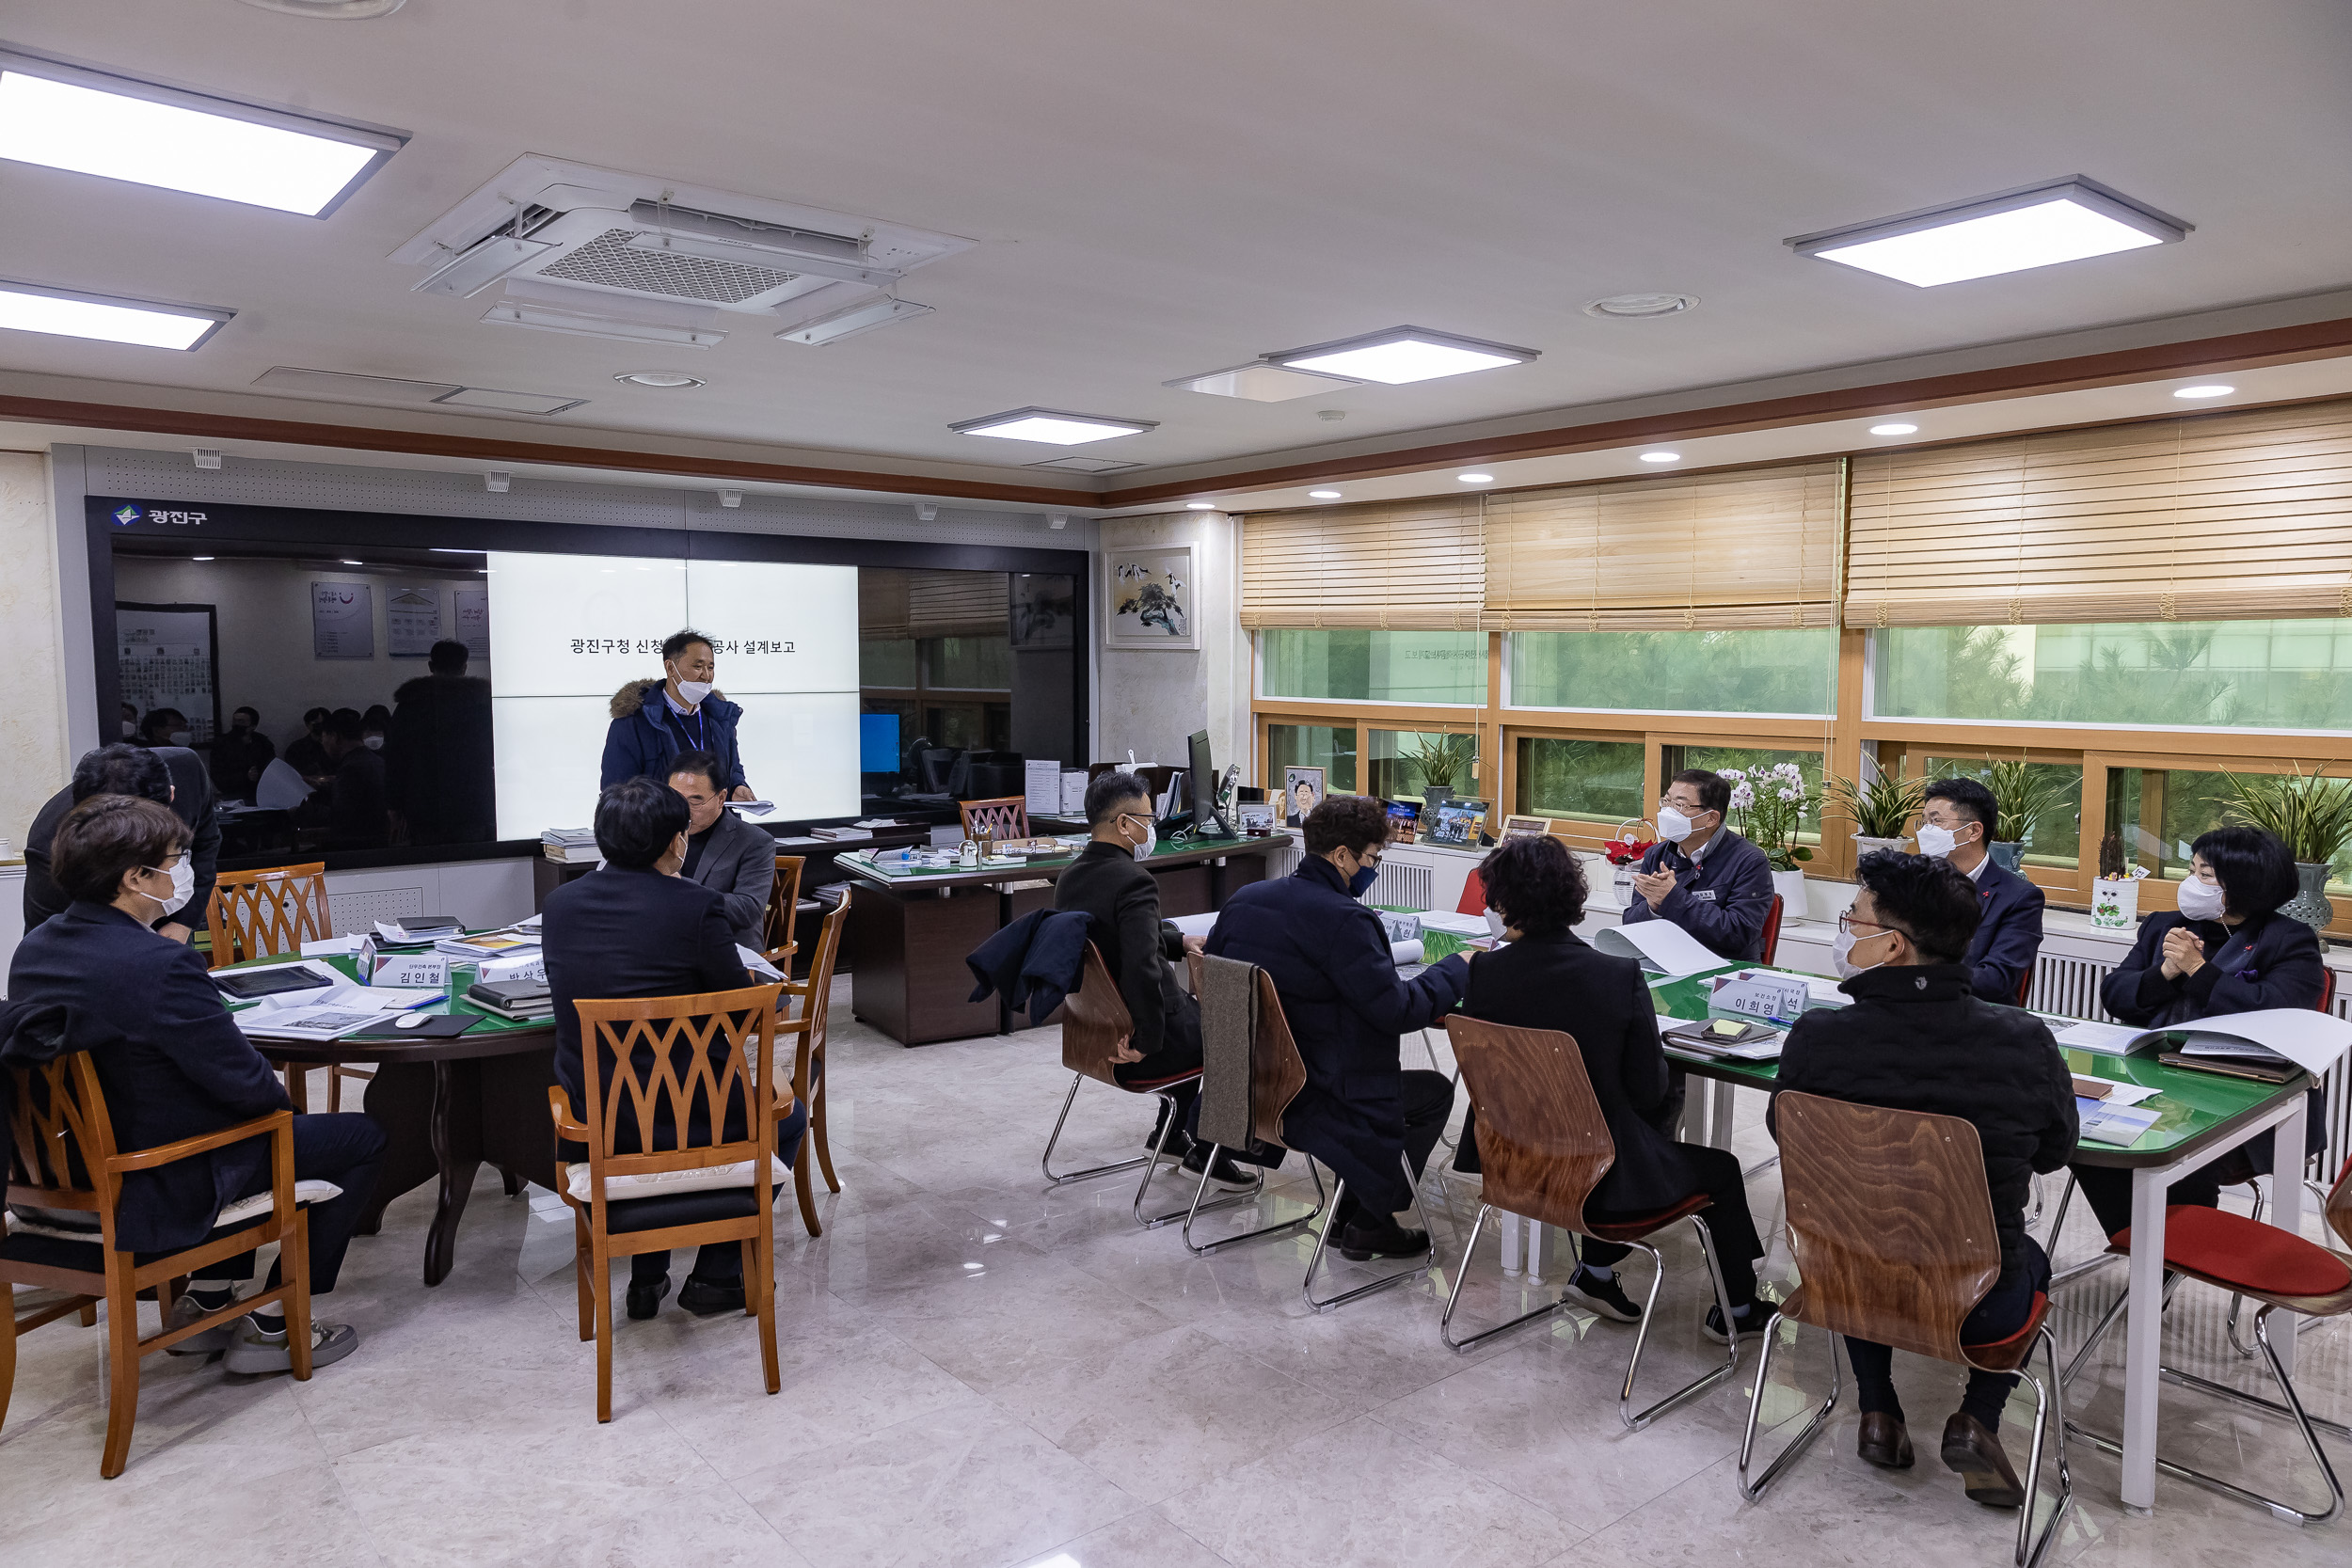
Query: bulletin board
{"type": "Point", "coordinates": [170, 657]}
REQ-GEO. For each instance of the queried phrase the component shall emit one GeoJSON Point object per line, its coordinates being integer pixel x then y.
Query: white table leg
{"type": "Point", "coordinates": [1536, 1251]}
{"type": "Point", "coordinates": [1719, 1115]}
{"type": "Point", "coordinates": [1507, 1228]}
{"type": "Point", "coordinates": [2143, 1335]}
{"type": "Point", "coordinates": [2286, 1206]}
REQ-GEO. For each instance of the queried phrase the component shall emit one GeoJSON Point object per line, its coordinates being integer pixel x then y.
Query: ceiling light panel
{"type": "Point", "coordinates": [63, 313]}
{"type": "Point", "coordinates": [340, 387]}
{"type": "Point", "coordinates": [1898, 428]}
{"type": "Point", "coordinates": [1080, 464]}
{"type": "Point", "coordinates": [1260, 383]}
{"type": "Point", "coordinates": [1402, 355]}
{"type": "Point", "coordinates": [89, 122]}
{"type": "Point", "coordinates": [508, 402]}
{"type": "Point", "coordinates": [2208, 389]}
{"type": "Point", "coordinates": [833, 328]}
{"type": "Point", "coordinates": [2037, 226]}
{"type": "Point", "coordinates": [1052, 425]}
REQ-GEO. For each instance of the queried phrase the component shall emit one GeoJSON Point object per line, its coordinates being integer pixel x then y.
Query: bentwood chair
{"type": "Point", "coordinates": [1006, 817]}
{"type": "Point", "coordinates": [1890, 1220]}
{"type": "Point", "coordinates": [65, 1181]}
{"type": "Point", "coordinates": [262, 915]}
{"type": "Point", "coordinates": [1544, 1147]}
{"type": "Point", "coordinates": [805, 1025]}
{"type": "Point", "coordinates": [651, 1183]}
{"type": "Point", "coordinates": [1250, 1071]}
{"type": "Point", "coordinates": [777, 940]}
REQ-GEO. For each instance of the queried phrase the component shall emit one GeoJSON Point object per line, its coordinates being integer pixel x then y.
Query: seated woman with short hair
{"type": "Point", "coordinates": [1550, 978]}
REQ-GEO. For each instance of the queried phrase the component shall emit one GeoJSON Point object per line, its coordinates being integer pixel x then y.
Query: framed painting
{"type": "Point", "coordinates": [1148, 597]}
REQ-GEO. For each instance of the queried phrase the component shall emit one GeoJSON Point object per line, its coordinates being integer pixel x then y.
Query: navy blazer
{"type": "Point", "coordinates": [1329, 958]}
{"type": "Point", "coordinates": [2008, 935]}
{"type": "Point", "coordinates": [1723, 899]}
{"type": "Point", "coordinates": [623, 932]}
{"type": "Point", "coordinates": [2271, 960]}
{"type": "Point", "coordinates": [171, 1062]}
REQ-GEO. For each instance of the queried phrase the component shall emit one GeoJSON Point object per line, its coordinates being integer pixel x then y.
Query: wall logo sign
{"type": "Point", "coordinates": [127, 513]}
{"type": "Point", "coordinates": [131, 512]}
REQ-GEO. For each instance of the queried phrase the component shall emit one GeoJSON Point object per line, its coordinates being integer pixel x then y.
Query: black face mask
{"type": "Point", "coordinates": [1365, 876]}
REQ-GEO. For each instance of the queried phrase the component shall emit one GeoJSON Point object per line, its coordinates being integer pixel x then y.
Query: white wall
{"type": "Point", "coordinates": [32, 721]}
{"type": "Point", "coordinates": [1152, 700]}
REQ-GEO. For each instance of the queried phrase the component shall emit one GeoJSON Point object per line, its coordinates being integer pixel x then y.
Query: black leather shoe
{"type": "Point", "coordinates": [1361, 1240]}
{"type": "Point", "coordinates": [1982, 1462]}
{"type": "Point", "coordinates": [1884, 1442]}
{"type": "Point", "coordinates": [646, 1300]}
{"type": "Point", "coordinates": [705, 1299]}
{"type": "Point", "coordinates": [1225, 1173]}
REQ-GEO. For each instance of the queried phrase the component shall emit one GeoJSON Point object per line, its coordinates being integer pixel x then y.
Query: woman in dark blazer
{"type": "Point", "coordinates": [1549, 979]}
{"type": "Point", "coordinates": [2229, 950]}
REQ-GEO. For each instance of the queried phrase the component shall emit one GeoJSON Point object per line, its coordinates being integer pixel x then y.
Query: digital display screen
{"type": "Point", "coordinates": [878, 742]}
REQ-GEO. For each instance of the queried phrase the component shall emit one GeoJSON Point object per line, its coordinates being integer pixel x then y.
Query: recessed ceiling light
{"type": "Point", "coordinates": [660, 378]}
{"type": "Point", "coordinates": [1200, 506]}
{"type": "Point", "coordinates": [1641, 307]}
{"type": "Point", "coordinates": [1258, 383]}
{"type": "Point", "coordinates": [200, 558]}
{"type": "Point", "coordinates": [1897, 429]}
{"type": "Point", "coordinates": [1662, 457]}
{"type": "Point", "coordinates": [1323, 495]}
{"type": "Point", "coordinates": [1401, 355]}
{"type": "Point", "coordinates": [1475, 479]}
{"type": "Point", "coordinates": [354, 563]}
{"type": "Point", "coordinates": [90, 123]}
{"type": "Point", "coordinates": [1047, 425]}
{"type": "Point", "coordinates": [2037, 226]}
{"type": "Point", "coordinates": [2212, 389]}
{"type": "Point", "coordinates": [444, 549]}
{"type": "Point", "coordinates": [27, 307]}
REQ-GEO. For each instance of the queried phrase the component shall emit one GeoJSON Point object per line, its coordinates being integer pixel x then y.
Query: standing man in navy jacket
{"type": "Point", "coordinates": [1329, 958]}
{"type": "Point", "coordinates": [1701, 875]}
{"type": "Point", "coordinates": [655, 720]}
{"type": "Point", "coordinates": [1958, 825]}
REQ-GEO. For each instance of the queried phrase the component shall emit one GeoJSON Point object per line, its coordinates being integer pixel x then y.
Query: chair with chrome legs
{"type": "Point", "coordinates": [1890, 1220]}
{"type": "Point", "coordinates": [1251, 1070]}
{"type": "Point", "coordinates": [1543, 1146]}
{"type": "Point", "coordinates": [2284, 1272]}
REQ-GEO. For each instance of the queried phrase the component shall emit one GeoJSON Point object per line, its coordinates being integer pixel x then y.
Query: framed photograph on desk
{"type": "Point", "coordinates": [1302, 792]}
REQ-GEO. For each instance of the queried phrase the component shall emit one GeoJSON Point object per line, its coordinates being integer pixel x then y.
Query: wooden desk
{"type": "Point", "coordinates": [909, 932]}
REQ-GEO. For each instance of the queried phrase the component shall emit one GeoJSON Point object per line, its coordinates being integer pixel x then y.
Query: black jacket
{"type": "Point", "coordinates": [2272, 960]}
{"type": "Point", "coordinates": [438, 771]}
{"type": "Point", "coordinates": [1107, 882]}
{"type": "Point", "coordinates": [172, 1063]}
{"type": "Point", "coordinates": [1329, 958]}
{"type": "Point", "coordinates": [237, 760]}
{"type": "Point", "coordinates": [1560, 983]}
{"type": "Point", "coordinates": [357, 811]}
{"type": "Point", "coordinates": [1723, 899]}
{"type": "Point", "coordinates": [618, 932]}
{"type": "Point", "coordinates": [192, 801]}
{"type": "Point", "coordinates": [1034, 962]}
{"type": "Point", "coordinates": [1917, 1040]}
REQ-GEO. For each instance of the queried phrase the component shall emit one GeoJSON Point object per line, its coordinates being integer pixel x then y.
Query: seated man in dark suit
{"type": "Point", "coordinates": [1547, 978]}
{"type": "Point", "coordinates": [1957, 826]}
{"type": "Point", "coordinates": [1139, 949]}
{"type": "Point", "coordinates": [173, 775]}
{"type": "Point", "coordinates": [1328, 957]}
{"type": "Point", "coordinates": [635, 927]}
{"type": "Point", "coordinates": [1701, 875]}
{"type": "Point", "coordinates": [1918, 1038]}
{"type": "Point", "coordinates": [175, 1065]}
{"type": "Point", "coordinates": [725, 853]}
{"type": "Point", "coordinates": [359, 808]}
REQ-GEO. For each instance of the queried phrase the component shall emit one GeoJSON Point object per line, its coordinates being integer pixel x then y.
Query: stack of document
{"type": "Point", "coordinates": [1453, 925]}
{"type": "Point", "coordinates": [1662, 947]}
{"type": "Point", "coordinates": [2272, 1040]}
{"type": "Point", "coordinates": [842, 835]}
{"type": "Point", "coordinates": [326, 1014]}
{"type": "Point", "coordinates": [570, 845]}
{"type": "Point", "coordinates": [491, 944]}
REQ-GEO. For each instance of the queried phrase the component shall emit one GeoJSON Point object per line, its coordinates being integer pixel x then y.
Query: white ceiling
{"type": "Point", "coordinates": [1160, 191]}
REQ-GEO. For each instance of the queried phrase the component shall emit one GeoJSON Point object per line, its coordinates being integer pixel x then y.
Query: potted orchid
{"type": "Point", "coordinates": [1769, 807]}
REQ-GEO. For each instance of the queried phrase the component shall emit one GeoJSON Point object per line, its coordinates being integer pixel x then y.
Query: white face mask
{"type": "Point", "coordinates": [182, 885]}
{"type": "Point", "coordinates": [181, 738]}
{"type": "Point", "coordinates": [692, 692]}
{"type": "Point", "coordinates": [130, 729]}
{"type": "Point", "coordinates": [1672, 825]}
{"type": "Point", "coordinates": [1934, 842]}
{"type": "Point", "coordinates": [373, 742]}
{"type": "Point", "coordinates": [1151, 838]}
{"type": "Point", "coordinates": [1841, 956]}
{"type": "Point", "coordinates": [1495, 924]}
{"type": "Point", "coordinates": [2200, 899]}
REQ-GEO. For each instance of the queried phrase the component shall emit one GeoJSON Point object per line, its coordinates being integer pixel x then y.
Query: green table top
{"type": "Point", "coordinates": [1170, 850]}
{"type": "Point", "coordinates": [460, 977]}
{"type": "Point", "coordinates": [2193, 1107]}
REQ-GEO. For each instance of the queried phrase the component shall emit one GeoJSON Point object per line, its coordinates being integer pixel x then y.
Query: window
{"type": "Point", "coordinates": [2244, 674]}
{"type": "Point", "coordinates": [1685, 672]}
{"type": "Point", "coordinates": [2055, 837]}
{"type": "Point", "coordinates": [1407, 763]}
{"type": "Point", "coordinates": [968, 663]}
{"type": "Point", "coordinates": [1673, 759]}
{"type": "Point", "coordinates": [1598, 782]}
{"type": "Point", "coordinates": [888, 662]}
{"type": "Point", "coordinates": [1361, 666]}
{"type": "Point", "coordinates": [1331, 747]}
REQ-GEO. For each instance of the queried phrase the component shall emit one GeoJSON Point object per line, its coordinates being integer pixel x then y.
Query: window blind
{"type": "Point", "coordinates": [1753, 547]}
{"type": "Point", "coordinates": [1411, 565]}
{"type": "Point", "coordinates": [2223, 517]}
{"type": "Point", "coordinates": [882, 605]}
{"type": "Point", "coordinates": [959, 603]}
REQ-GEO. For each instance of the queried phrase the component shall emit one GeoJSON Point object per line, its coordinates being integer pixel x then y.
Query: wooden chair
{"type": "Point", "coordinates": [807, 1025]}
{"type": "Point", "coordinates": [712, 1052]}
{"type": "Point", "coordinates": [1891, 1224]}
{"type": "Point", "coordinates": [1245, 1086]}
{"type": "Point", "coordinates": [1771, 927]}
{"type": "Point", "coordinates": [2241, 1255]}
{"type": "Point", "coordinates": [777, 940]}
{"type": "Point", "coordinates": [1005, 818]}
{"type": "Point", "coordinates": [63, 1160]}
{"type": "Point", "coordinates": [1544, 1146]}
{"type": "Point", "coordinates": [262, 915]}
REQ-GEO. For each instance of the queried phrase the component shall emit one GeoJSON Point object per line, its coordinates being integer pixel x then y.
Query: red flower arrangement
{"type": "Point", "coordinates": [1625, 849]}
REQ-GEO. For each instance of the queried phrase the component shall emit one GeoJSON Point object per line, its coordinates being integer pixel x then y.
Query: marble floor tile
{"type": "Point", "coordinates": [1145, 1540]}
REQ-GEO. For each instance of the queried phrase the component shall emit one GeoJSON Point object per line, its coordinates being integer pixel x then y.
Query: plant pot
{"type": "Point", "coordinates": [2006, 854]}
{"type": "Point", "coordinates": [1432, 796]}
{"type": "Point", "coordinates": [1863, 843]}
{"type": "Point", "coordinates": [1790, 886]}
{"type": "Point", "coordinates": [2309, 905]}
{"type": "Point", "coordinates": [2115, 903]}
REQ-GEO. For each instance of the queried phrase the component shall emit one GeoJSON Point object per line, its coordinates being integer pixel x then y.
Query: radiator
{"type": "Point", "coordinates": [1403, 886]}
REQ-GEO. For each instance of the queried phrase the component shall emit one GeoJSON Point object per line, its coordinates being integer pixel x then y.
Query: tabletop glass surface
{"type": "Point", "coordinates": [900, 873]}
{"type": "Point", "coordinates": [460, 977]}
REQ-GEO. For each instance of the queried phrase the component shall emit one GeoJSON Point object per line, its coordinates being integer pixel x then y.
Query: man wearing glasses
{"type": "Point", "coordinates": [1701, 875]}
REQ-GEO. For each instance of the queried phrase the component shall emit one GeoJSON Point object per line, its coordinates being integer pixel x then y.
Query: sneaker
{"type": "Point", "coordinates": [210, 1342]}
{"type": "Point", "coordinates": [254, 1352]}
{"type": "Point", "coordinates": [1361, 1240]}
{"type": "Point", "coordinates": [1601, 1293]}
{"type": "Point", "coordinates": [705, 1299]}
{"type": "Point", "coordinates": [1751, 1320]}
{"type": "Point", "coordinates": [646, 1300]}
{"type": "Point", "coordinates": [1225, 1173]}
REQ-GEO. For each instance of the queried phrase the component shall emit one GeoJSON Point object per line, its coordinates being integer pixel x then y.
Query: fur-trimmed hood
{"type": "Point", "coordinates": [631, 697]}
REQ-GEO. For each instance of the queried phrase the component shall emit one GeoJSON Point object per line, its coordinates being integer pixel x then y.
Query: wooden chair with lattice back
{"type": "Point", "coordinates": [807, 1010]}
{"type": "Point", "coordinates": [1543, 1146]}
{"type": "Point", "coordinates": [1250, 1071]}
{"type": "Point", "coordinates": [1890, 1222]}
{"type": "Point", "coordinates": [997, 820]}
{"type": "Point", "coordinates": [654, 1069]}
{"type": "Point", "coordinates": [67, 1173]}
{"type": "Point", "coordinates": [777, 939]}
{"type": "Point", "coordinates": [264, 914]}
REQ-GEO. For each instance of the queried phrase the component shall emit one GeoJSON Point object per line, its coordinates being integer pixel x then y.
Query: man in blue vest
{"type": "Point", "coordinates": [1701, 875]}
{"type": "Point", "coordinates": [1957, 826]}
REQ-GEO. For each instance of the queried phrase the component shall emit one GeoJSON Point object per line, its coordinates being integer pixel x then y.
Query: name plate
{"type": "Point", "coordinates": [411, 969]}
{"type": "Point", "coordinates": [532, 967]}
{"type": "Point", "coordinates": [1757, 993]}
{"type": "Point", "coordinates": [1400, 927]}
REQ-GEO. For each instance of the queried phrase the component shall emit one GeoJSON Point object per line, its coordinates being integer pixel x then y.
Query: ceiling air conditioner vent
{"type": "Point", "coordinates": [610, 262]}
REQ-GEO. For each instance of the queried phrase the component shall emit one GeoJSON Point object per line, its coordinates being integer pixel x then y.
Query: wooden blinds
{"type": "Point", "coordinates": [1754, 547]}
{"type": "Point", "coordinates": [1412, 565]}
{"type": "Point", "coordinates": [2218, 517]}
{"type": "Point", "coordinates": [895, 604]}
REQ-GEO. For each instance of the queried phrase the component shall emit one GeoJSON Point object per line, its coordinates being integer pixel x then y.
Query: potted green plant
{"type": "Point", "coordinates": [1879, 810]}
{"type": "Point", "coordinates": [2020, 796]}
{"type": "Point", "coordinates": [1768, 809]}
{"type": "Point", "coordinates": [2311, 815]}
{"type": "Point", "coordinates": [1442, 759]}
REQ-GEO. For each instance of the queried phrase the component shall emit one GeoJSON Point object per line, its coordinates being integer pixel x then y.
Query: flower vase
{"type": "Point", "coordinates": [2006, 854]}
{"type": "Point", "coordinates": [1863, 843]}
{"type": "Point", "coordinates": [2309, 905]}
{"type": "Point", "coordinates": [1790, 886]}
{"type": "Point", "coordinates": [2115, 903]}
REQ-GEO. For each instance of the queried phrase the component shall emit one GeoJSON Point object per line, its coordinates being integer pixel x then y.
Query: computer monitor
{"type": "Point", "coordinates": [878, 742]}
{"type": "Point", "coordinates": [1202, 784]}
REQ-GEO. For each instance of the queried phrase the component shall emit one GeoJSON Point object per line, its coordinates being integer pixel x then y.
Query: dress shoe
{"type": "Point", "coordinates": [1363, 1239]}
{"type": "Point", "coordinates": [644, 1299]}
{"type": "Point", "coordinates": [705, 1299]}
{"type": "Point", "coordinates": [1752, 1318]}
{"type": "Point", "coordinates": [1601, 1292]}
{"type": "Point", "coordinates": [1884, 1442]}
{"type": "Point", "coordinates": [1977, 1453]}
{"type": "Point", "coordinates": [216, 1338]}
{"type": "Point", "coordinates": [1225, 1173]}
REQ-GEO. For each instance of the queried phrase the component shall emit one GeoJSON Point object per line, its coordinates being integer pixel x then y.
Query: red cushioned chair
{"type": "Point", "coordinates": [1473, 899]}
{"type": "Point", "coordinates": [1771, 928]}
{"type": "Point", "coordinates": [2277, 1268]}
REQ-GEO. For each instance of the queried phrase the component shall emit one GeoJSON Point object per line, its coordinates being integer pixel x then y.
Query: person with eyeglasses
{"type": "Point", "coordinates": [1700, 875]}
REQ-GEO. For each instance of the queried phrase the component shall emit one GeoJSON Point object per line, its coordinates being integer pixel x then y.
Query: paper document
{"type": "Point", "coordinates": [751, 808]}
{"type": "Point", "coordinates": [1821, 990]}
{"type": "Point", "coordinates": [1663, 946]}
{"type": "Point", "coordinates": [1454, 924]}
{"type": "Point", "coordinates": [322, 1015]}
{"type": "Point", "coordinates": [330, 947]}
{"type": "Point", "coordinates": [759, 966]}
{"type": "Point", "coordinates": [1404, 953]}
{"type": "Point", "coordinates": [1041, 779]}
{"type": "Point", "coordinates": [2117, 1094]}
{"type": "Point", "coordinates": [2113, 1124]}
{"type": "Point", "coordinates": [1194, 925]}
{"type": "Point", "coordinates": [2312, 1040]}
{"type": "Point", "coordinates": [2112, 1040]}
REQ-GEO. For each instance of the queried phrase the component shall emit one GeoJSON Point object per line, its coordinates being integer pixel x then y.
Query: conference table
{"type": "Point", "coordinates": [447, 1106]}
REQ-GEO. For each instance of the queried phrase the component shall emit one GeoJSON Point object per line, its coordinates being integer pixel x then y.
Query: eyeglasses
{"type": "Point", "coordinates": [1846, 923]}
